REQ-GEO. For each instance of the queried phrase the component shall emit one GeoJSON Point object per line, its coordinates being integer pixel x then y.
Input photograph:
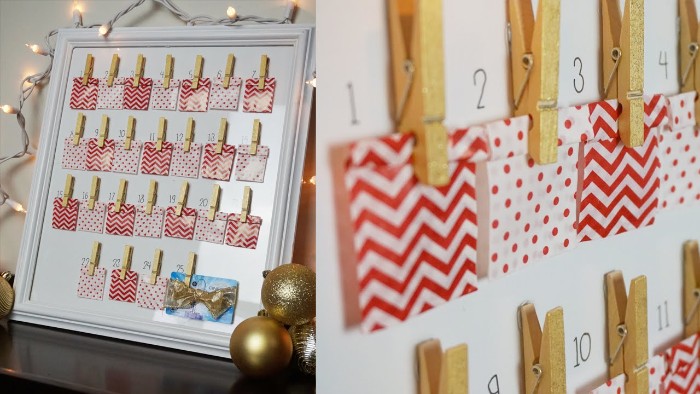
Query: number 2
{"type": "Point", "coordinates": [483, 86]}
{"type": "Point", "coordinates": [580, 74]}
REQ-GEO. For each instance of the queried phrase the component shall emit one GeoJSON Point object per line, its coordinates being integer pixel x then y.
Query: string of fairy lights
{"type": "Point", "coordinates": [29, 83]}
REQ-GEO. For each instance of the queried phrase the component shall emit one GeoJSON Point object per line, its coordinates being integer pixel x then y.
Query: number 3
{"type": "Point", "coordinates": [580, 74]}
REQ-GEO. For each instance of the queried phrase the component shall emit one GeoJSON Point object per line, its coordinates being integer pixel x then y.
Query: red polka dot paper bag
{"type": "Point", "coordinates": [126, 161]}
{"type": "Point", "coordinates": [683, 365]}
{"type": "Point", "coordinates": [414, 245]}
{"type": "Point", "coordinates": [616, 385]}
{"type": "Point", "coordinates": [74, 155]}
{"type": "Point", "coordinates": [91, 220]}
{"type": "Point", "coordinates": [110, 97]}
{"type": "Point", "coordinates": [165, 99]}
{"type": "Point", "coordinates": [91, 286]}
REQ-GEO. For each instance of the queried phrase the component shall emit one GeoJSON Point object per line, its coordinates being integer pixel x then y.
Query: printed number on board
{"type": "Point", "coordinates": [203, 202]}
{"type": "Point", "coordinates": [142, 198]}
{"type": "Point", "coordinates": [482, 79]}
{"type": "Point", "coordinates": [583, 348]}
{"type": "Point", "coordinates": [663, 315]}
{"type": "Point", "coordinates": [85, 261]}
{"type": "Point", "coordinates": [493, 385]}
{"type": "Point", "coordinates": [173, 198]}
{"type": "Point", "coordinates": [147, 265]}
{"type": "Point", "coordinates": [181, 268]}
{"type": "Point", "coordinates": [663, 61]}
{"type": "Point", "coordinates": [353, 107]}
{"type": "Point", "coordinates": [116, 263]}
{"type": "Point", "coordinates": [579, 80]}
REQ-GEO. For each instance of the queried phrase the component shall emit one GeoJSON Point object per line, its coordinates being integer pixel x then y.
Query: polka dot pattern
{"type": "Point", "coordinates": [615, 385]}
{"type": "Point", "coordinates": [146, 225]}
{"type": "Point", "coordinates": [165, 99]}
{"type": "Point", "coordinates": [74, 155]}
{"type": "Point", "coordinates": [225, 98]}
{"type": "Point", "coordinates": [110, 97]}
{"type": "Point", "coordinates": [210, 230]}
{"type": "Point", "coordinates": [249, 167]}
{"type": "Point", "coordinates": [92, 287]}
{"type": "Point", "coordinates": [151, 296]}
{"type": "Point", "coordinates": [91, 220]}
{"type": "Point", "coordinates": [126, 161]}
{"type": "Point", "coordinates": [185, 164]}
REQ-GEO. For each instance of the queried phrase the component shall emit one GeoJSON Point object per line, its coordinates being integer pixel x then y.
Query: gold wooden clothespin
{"type": "Point", "coordinates": [68, 190]}
{"type": "Point", "coordinates": [534, 61]}
{"type": "Point", "coordinates": [442, 373]}
{"type": "Point", "coordinates": [264, 62]}
{"type": "Point", "coordinates": [168, 73]}
{"type": "Point", "coordinates": [214, 202]}
{"type": "Point", "coordinates": [623, 65]}
{"type": "Point", "coordinates": [138, 71]}
{"type": "Point", "coordinates": [189, 134]}
{"type": "Point", "coordinates": [155, 266]}
{"type": "Point", "coordinates": [130, 126]}
{"type": "Point", "coordinates": [152, 190]}
{"type": "Point", "coordinates": [162, 125]}
{"type": "Point", "coordinates": [126, 261]}
{"type": "Point", "coordinates": [223, 124]}
{"type": "Point", "coordinates": [182, 199]}
{"type": "Point", "coordinates": [228, 72]}
{"type": "Point", "coordinates": [197, 72]}
{"type": "Point", "coordinates": [79, 128]}
{"type": "Point", "coordinates": [94, 258]}
{"type": "Point", "coordinates": [627, 331]}
{"type": "Point", "coordinates": [121, 196]}
{"type": "Point", "coordinates": [255, 137]}
{"type": "Point", "coordinates": [245, 207]}
{"type": "Point", "coordinates": [104, 129]}
{"type": "Point", "coordinates": [191, 261]}
{"type": "Point", "coordinates": [690, 72]}
{"type": "Point", "coordinates": [113, 69]}
{"type": "Point", "coordinates": [87, 72]}
{"type": "Point", "coordinates": [544, 366]}
{"type": "Point", "coordinates": [94, 192]}
{"type": "Point", "coordinates": [691, 288]}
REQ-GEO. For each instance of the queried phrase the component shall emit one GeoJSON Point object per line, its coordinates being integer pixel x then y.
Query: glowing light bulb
{"type": "Point", "coordinates": [104, 29]}
{"type": "Point", "coordinates": [36, 49]}
{"type": "Point", "coordinates": [76, 6]}
{"type": "Point", "coordinates": [8, 109]}
{"type": "Point", "coordinates": [15, 205]}
{"type": "Point", "coordinates": [231, 13]}
{"type": "Point", "coordinates": [77, 14]}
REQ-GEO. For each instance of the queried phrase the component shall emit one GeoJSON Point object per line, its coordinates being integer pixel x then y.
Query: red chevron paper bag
{"type": "Point", "coordinates": [619, 185]}
{"type": "Point", "coordinates": [65, 218]}
{"type": "Point", "coordinates": [210, 230]}
{"type": "Point", "coordinates": [156, 162]}
{"type": "Point", "coordinates": [126, 161]}
{"type": "Point", "coordinates": [92, 286]}
{"type": "Point", "coordinates": [122, 222]}
{"type": "Point", "coordinates": [679, 147]}
{"type": "Point", "coordinates": [194, 100]}
{"type": "Point", "coordinates": [186, 164]}
{"type": "Point", "coordinates": [243, 235]}
{"type": "Point", "coordinates": [683, 366]}
{"type": "Point", "coordinates": [74, 155]}
{"type": "Point", "coordinates": [250, 167]}
{"type": "Point", "coordinates": [180, 226]}
{"type": "Point", "coordinates": [165, 99]}
{"type": "Point", "coordinates": [146, 225]}
{"type": "Point", "coordinates": [256, 100]}
{"type": "Point", "coordinates": [84, 97]}
{"type": "Point", "coordinates": [99, 158]}
{"type": "Point", "coordinates": [151, 296]}
{"type": "Point", "coordinates": [414, 244]}
{"type": "Point", "coordinates": [137, 97]}
{"type": "Point", "coordinates": [110, 97]}
{"type": "Point", "coordinates": [123, 289]}
{"type": "Point", "coordinates": [91, 220]}
{"type": "Point", "coordinates": [225, 98]}
{"type": "Point", "coordinates": [218, 165]}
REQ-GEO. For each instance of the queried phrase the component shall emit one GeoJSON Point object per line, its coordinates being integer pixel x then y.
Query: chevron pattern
{"type": "Point", "coordinates": [65, 218]}
{"type": "Point", "coordinates": [218, 166]}
{"type": "Point", "coordinates": [180, 226]}
{"type": "Point", "coordinates": [154, 162]}
{"type": "Point", "coordinates": [255, 100]}
{"type": "Point", "coordinates": [620, 185]}
{"type": "Point", "coordinates": [83, 97]}
{"type": "Point", "coordinates": [415, 244]}
{"type": "Point", "coordinates": [194, 100]}
{"type": "Point", "coordinates": [122, 222]}
{"type": "Point", "coordinates": [243, 235]}
{"type": "Point", "coordinates": [123, 290]}
{"type": "Point", "coordinates": [99, 159]}
{"type": "Point", "coordinates": [137, 97]}
{"type": "Point", "coordinates": [683, 367]}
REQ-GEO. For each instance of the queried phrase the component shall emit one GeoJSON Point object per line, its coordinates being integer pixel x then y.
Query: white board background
{"type": "Point", "coordinates": [354, 52]}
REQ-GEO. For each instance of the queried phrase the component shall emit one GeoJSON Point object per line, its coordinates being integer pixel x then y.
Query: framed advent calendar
{"type": "Point", "coordinates": [168, 156]}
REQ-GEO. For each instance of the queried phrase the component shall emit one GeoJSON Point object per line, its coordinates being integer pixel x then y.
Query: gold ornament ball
{"type": "Point", "coordinates": [7, 295]}
{"type": "Point", "coordinates": [260, 347]}
{"type": "Point", "coordinates": [304, 341]}
{"type": "Point", "coordinates": [289, 294]}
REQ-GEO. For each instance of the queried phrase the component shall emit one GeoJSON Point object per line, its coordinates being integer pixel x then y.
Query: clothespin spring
{"type": "Point", "coordinates": [528, 62]}
{"type": "Point", "coordinates": [537, 371]}
{"type": "Point", "coordinates": [410, 70]}
{"type": "Point", "coordinates": [693, 49]}
{"type": "Point", "coordinates": [616, 56]}
{"type": "Point", "coordinates": [696, 293]}
{"type": "Point", "coordinates": [622, 332]}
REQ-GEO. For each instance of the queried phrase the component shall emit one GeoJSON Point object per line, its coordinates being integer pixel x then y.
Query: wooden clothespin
{"type": "Point", "coordinates": [442, 373]}
{"type": "Point", "coordinates": [113, 70]}
{"type": "Point", "coordinates": [228, 72]}
{"type": "Point", "coordinates": [214, 202]}
{"type": "Point", "coordinates": [417, 62]}
{"type": "Point", "coordinates": [79, 128]}
{"type": "Point", "coordinates": [126, 261]}
{"type": "Point", "coordinates": [162, 125]}
{"type": "Point", "coordinates": [138, 71]}
{"type": "Point", "coordinates": [627, 330]}
{"type": "Point", "coordinates": [191, 261]}
{"type": "Point", "coordinates": [152, 190]}
{"type": "Point", "coordinates": [690, 72]}
{"type": "Point", "coordinates": [223, 125]}
{"type": "Point", "coordinates": [197, 71]}
{"type": "Point", "coordinates": [168, 72]}
{"type": "Point", "coordinates": [255, 137]}
{"type": "Point", "coordinates": [189, 134]}
{"type": "Point", "coordinates": [121, 196]}
{"type": "Point", "coordinates": [691, 288]}
{"type": "Point", "coordinates": [155, 266]}
{"type": "Point", "coordinates": [535, 73]}
{"type": "Point", "coordinates": [264, 62]}
{"type": "Point", "coordinates": [544, 364]}
{"type": "Point", "coordinates": [130, 126]}
{"type": "Point", "coordinates": [94, 192]}
{"type": "Point", "coordinates": [245, 207]}
{"type": "Point", "coordinates": [68, 190]}
{"type": "Point", "coordinates": [104, 129]}
{"type": "Point", "coordinates": [94, 258]}
{"type": "Point", "coordinates": [87, 71]}
{"type": "Point", "coordinates": [623, 65]}
{"type": "Point", "coordinates": [182, 199]}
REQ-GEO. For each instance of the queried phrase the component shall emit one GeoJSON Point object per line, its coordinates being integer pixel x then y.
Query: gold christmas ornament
{"type": "Point", "coordinates": [7, 294]}
{"type": "Point", "coordinates": [304, 341]}
{"type": "Point", "coordinates": [289, 294]}
{"type": "Point", "coordinates": [260, 346]}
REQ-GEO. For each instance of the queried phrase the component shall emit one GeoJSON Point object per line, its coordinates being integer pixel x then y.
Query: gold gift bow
{"type": "Point", "coordinates": [178, 295]}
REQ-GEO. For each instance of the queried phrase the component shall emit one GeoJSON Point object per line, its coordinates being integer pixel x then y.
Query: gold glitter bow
{"type": "Point", "coordinates": [178, 295]}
